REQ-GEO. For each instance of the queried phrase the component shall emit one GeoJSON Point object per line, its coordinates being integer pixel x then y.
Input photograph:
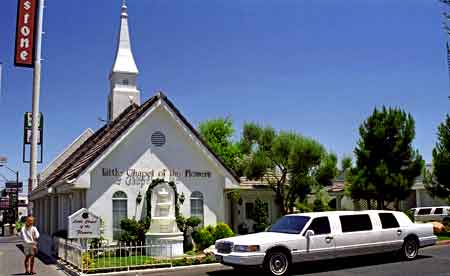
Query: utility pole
{"type": "Point", "coordinates": [35, 105]}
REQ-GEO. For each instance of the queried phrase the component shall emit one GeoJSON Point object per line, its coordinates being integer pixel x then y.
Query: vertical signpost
{"type": "Point", "coordinates": [27, 135]}
{"type": "Point", "coordinates": [28, 54]}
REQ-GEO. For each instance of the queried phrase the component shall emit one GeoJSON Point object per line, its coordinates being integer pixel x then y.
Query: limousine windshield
{"type": "Point", "coordinates": [289, 224]}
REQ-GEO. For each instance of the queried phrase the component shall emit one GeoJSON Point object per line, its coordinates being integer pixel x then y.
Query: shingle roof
{"type": "Point", "coordinates": [97, 144]}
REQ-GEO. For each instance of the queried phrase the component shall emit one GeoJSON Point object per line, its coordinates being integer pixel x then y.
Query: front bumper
{"type": "Point", "coordinates": [241, 258]}
{"type": "Point", "coordinates": [428, 241]}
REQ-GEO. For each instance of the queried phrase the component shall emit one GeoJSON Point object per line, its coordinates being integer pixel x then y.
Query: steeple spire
{"type": "Point", "coordinates": [124, 72]}
{"type": "Point", "coordinates": [124, 61]}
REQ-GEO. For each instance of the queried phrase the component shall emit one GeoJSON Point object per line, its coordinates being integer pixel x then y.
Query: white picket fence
{"type": "Point", "coordinates": [119, 257]}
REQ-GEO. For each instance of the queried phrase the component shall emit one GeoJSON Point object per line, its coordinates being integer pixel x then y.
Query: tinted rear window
{"type": "Point", "coordinates": [425, 211]}
{"type": "Point", "coordinates": [354, 223]}
{"type": "Point", "coordinates": [320, 226]}
{"type": "Point", "coordinates": [388, 220]}
{"type": "Point", "coordinates": [438, 211]}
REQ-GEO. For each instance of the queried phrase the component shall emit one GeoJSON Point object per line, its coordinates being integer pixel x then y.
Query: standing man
{"type": "Point", "coordinates": [30, 236]}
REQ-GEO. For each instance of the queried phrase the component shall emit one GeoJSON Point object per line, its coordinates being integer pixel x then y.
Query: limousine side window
{"type": "Point", "coordinates": [424, 211]}
{"type": "Point", "coordinates": [388, 220]}
{"type": "Point", "coordinates": [438, 211]}
{"type": "Point", "coordinates": [354, 223]}
{"type": "Point", "coordinates": [320, 226]}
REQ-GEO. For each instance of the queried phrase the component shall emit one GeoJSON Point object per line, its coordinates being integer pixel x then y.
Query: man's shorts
{"type": "Point", "coordinates": [28, 249]}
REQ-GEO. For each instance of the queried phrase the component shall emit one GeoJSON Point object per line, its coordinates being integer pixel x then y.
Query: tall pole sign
{"type": "Point", "coordinates": [28, 54]}
{"type": "Point", "coordinates": [25, 33]}
{"type": "Point", "coordinates": [35, 104]}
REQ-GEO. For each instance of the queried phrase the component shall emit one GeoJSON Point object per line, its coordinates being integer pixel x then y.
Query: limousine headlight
{"type": "Point", "coordinates": [246, 248]}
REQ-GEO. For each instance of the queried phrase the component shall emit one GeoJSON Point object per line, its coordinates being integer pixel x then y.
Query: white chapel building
{"type": "Point", "coordinates": [109, 170]}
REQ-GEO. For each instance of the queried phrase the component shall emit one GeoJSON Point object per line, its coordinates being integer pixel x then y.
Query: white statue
{"type": "Point", "coordinates": [164, 236]}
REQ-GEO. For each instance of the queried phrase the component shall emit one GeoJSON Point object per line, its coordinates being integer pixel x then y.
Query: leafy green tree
{"type": "Point", "coordinates": [290, 163]}
{"type": "Point", "coordinates": [437, 181]}
{"type": "Point", "coordinates": [386, 163]}
{"type": "Point", "coordinates": [218, 134]}
{"type": "Point", "coordinates": [346, 164]}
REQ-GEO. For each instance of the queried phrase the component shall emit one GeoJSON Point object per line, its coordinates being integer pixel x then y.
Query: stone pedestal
{"type": "Point", "coordinates": [164, 244]}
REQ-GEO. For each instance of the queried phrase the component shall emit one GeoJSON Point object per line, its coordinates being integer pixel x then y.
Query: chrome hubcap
{"type": "Point", "coordinates": [411, 249]}
{"type": "Point", "coordinates": [278, 264]}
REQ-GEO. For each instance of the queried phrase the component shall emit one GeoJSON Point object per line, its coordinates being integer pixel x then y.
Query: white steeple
{"type": "Point", "coordinates": [124, 72]}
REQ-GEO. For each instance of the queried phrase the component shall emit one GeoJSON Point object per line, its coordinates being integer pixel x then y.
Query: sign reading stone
{"type": "Point", "coordinates": [25, 33]}
{"type": "Point", "coordinates": [83, 224]}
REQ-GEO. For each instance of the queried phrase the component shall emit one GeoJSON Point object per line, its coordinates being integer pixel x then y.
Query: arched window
{"type": "Point", "coordinates": [197, 206]}
{"type": "Point", "coordinates": [120, 212]}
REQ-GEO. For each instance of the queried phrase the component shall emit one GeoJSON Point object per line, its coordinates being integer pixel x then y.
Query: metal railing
{"type": "Point", "coordinates": [119, 257]}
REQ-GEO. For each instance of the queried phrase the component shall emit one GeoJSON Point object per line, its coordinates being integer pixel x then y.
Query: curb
{"type": "Point", "coordinates": [156, 270]}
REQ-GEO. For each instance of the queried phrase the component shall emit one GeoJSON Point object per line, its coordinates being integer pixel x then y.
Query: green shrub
{"type": "Point", "coordinates": [203, 238]}
{"type": "Point", "coordinates": [207, 236]}
{"type": "Point", "coordinates": [222, 231]}
{"type": "Point", "coordinates": [185, 226]}
{"type": "Point", "coordinates": [87, 260]}
{"type": "Point", "coordinates": [133, 230]}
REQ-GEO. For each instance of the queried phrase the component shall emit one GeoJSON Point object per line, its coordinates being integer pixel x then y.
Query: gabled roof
{"type": "Point", "coordinates": [103, 138]}
{"type": "Point", "coordinates": [55, 163]}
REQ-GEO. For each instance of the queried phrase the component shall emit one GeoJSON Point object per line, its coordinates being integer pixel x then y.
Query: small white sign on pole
{"type": "Point", "coordinates": [83, 224]}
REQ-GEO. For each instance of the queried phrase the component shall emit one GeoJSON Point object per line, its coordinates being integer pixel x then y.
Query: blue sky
{"type": "Point", "coordinates": [317, 67]}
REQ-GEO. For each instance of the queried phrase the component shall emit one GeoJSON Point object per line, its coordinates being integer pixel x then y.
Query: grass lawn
{"type": "Point", "coordinates": [111, 262]}
{"type": "Point", "coordinates": [101, 262]}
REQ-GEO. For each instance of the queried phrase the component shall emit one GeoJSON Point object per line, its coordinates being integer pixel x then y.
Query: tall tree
{"type": "Point", "coordinates": [437, 181]}
{"type": "Point", "coordinates": [218, 134]}
{"type": "Point", "coordinates": [386, 163]}
{"type": "Point", "coordinates": [290, 163]}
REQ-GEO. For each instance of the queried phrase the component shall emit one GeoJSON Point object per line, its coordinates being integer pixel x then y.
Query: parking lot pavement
{"type": "Point", "coordinates": [433, 261]}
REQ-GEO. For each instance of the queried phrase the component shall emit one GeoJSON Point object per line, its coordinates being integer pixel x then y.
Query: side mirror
{"type": "Point", "coordinates": [309, 233]}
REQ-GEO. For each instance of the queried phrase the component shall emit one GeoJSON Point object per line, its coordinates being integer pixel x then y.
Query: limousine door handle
{"type": "Point", "coordinates": [328, 239]}
{"type": "Point", "coordinates": [399, 232]}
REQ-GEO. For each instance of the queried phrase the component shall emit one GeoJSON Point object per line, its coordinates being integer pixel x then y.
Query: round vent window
{"type": "Point", "coordinates": [158, 139]}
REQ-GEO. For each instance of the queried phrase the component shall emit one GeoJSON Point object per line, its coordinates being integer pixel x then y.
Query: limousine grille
{"type": "Point", "coordinates": [224, 247]}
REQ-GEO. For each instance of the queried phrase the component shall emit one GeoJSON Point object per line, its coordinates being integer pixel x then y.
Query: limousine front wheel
{"type": "Point", "coordinates": [277, 263]}
{"type": "Point", "coordinates": [410, 248]}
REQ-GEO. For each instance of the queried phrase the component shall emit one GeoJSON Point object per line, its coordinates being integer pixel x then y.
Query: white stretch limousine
{"type": "Point", "coordinates": [325, 235]}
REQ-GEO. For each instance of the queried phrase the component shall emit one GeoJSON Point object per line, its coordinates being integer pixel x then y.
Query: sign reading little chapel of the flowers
{"type": "Point", "coordinates": [144, 176]}
{"type": "Point", "coordinates": [83, 224]}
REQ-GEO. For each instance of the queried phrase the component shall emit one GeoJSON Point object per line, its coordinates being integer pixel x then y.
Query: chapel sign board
{"type": "Point", "coordinates": [83, 224]}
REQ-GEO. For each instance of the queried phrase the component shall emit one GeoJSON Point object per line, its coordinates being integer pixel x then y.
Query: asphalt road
{"type": "Point", "coordinates": [433, 261]}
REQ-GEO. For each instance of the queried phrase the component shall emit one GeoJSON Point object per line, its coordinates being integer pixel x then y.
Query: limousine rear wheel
{"type": "Point", "coordinates": [410, 248]}
{"type": "Point", "coordinates": [277, 263]}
